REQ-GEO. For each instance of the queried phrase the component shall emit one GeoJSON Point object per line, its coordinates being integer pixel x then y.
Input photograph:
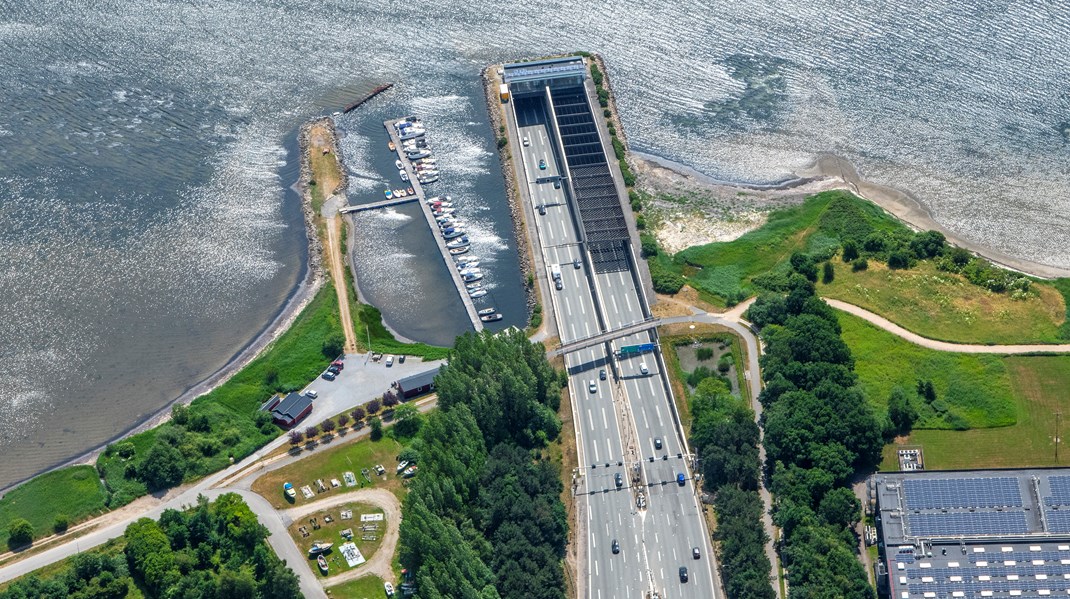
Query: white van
{"type": "Point", "coordinates": [643, 369]}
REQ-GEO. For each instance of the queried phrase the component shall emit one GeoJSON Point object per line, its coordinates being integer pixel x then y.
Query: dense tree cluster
{"type": "Point", "coordinates": [819, 430]}
{"type": "Point", "coordinates": [725, 436]}
{"type": "Point", "coordinates": [215, 550]}
{"type": "Point", "coordinates": [484, 520]}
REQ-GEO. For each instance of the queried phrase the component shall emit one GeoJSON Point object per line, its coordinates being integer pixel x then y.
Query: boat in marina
{"type": "Point", "coordinates": [404, 175]}
{"type": "Point", "coordinates": [399, 164]}
{"type": "Point", "coordinates": [400, 193]}
{"type": "Point", "coordinates": [474, 286]}
{"type": "Point", "coordinates": [486, 312]}
{"type": "Point", "coordinates": [491, 318]}
{"type": "Point", "coordinates": [466, 259]}
{"type": "Point", "coordinates": [457, 251]}
{"type": "Point", "coordinates": [411, 191]}
{"type": "Point", "coordinates": [411, 133]}
{"type": "Point", "coordinates": [458, 243]}
{"type": "Point", "coordinates": [322, 563]}
{"type": "Point", "coordinates": [472, 277]}
{"type": "Point", "coordinates": [392, 146]}
{"type": "Point", "coordinates": [389, 194]}
{"type": "Point", "coordinates": [471, 264]}
{"type": "Point", "coordinates": [419, 153]}
{"type": "Point", "coordinates": [426, 180]}
{"type": "Point", "coordinates": [451, 234]}
{"type": "Point", "coordinates": [434, 199]}
{"type": "Point", "coordinates": [478, 293]}
{"type": "Point", "coordinates": [443, 210]}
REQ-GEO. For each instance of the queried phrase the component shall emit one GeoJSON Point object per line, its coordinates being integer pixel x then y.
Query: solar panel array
{"type": "Point", "coordinates": [956, 524]}
{"type": "Point", "coordinates": [952, 493]}
{"type": "Point", "coordinates": [1060, 490]}
{"type": "Point", "coordinates": [1057, 520]}
{"type": "Point", "coordinates": [997, 573]}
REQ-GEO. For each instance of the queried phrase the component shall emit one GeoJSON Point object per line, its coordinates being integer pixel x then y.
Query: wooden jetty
{"type": "Point", "coordinates": [377, 205]}
{"type": "Point", "coordinates": [375, 92]}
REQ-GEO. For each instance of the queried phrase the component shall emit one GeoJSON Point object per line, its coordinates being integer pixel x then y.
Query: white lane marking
{"type": "Point", "coordinates": [609, 449]}
{"type": "Point", "coordinates": [564, 232]}
{"type": "Point", "coordinates": [550, 230]}
{"type": "Point", "coordinates": [587, 328]}
{"type": "Point", "coordinates": [568, 307]}
{"type": "Point", "coordinates": [674, 558]}
{"type": "Point", "coordinates": [646, 423]}
{"type": "Point", "coordinates": [590, 418]}
{"type": "Point", "coordinates": [594, 543]}
{"type": "Point", "coordinates": [655, 538]}
{"type": "Point", "coordinates": [613, 299]}
{"type": "Point", "coordinates": [605, 422]}
{"type": "Point", "coordinates": [658, 410]}
{"type": "Point", "coordinates": [583, 306]}
{"type": "Point", "coordinates": [620, 520]}
{"type": "Point", "coordinates": [572, 327]}
{"type": "Point", "coordinates": [595, 448]}
{"type": "Point", "coordinates": [651, 381]}
{"type": "Point", "coordinates": [667, 521]}
{"type": "Point", "coordinates": [596, 567]}
{"type": "Point", "coordinates": [628, 300]}
{"type": "Point", "coordinates": [621, 273]}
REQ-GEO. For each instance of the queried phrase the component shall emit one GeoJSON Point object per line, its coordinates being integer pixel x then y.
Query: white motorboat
{"type": "Point", "coordinates": [411, 133]}
{"type": "Point", "coordinates": [399, 164]}
{"type": "Point", "coordinates": [404, 175]}
{"type": "Point", "coordinates": [491, 318]}
{"type": "Point", "coordinates": [452, 233]}
{"type": "Point", "coordinates": [433, 199]}
{"type": "Point", "coordinates": [467, 259]}
{"type": "Point", "coordinates": [426, 180]}
{"type": "Point", "coordinates": [457, 251]}
{"type": "Point", "coordinates": [473, 277]}
{"type": "Point", "coordinates": [467, 265]}
{"type": "Point", "coordinates": [417, 154]}
{"type": "Point", "coordinates": [459, 243]}
{"type": "Point", "coordinates": [486, 311]}
{"type": "Point", "coordinates": [478, 293]}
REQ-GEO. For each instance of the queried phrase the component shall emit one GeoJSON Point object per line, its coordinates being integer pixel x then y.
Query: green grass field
{"type": "Point", "coordinates": [1039, 386]}
{"type": "Point", "coordinates": [365, 587]}
{"type": "Point", "coordinates": [945, 306]}
{"type": "Point", "coordinates": [75, 492]}
{"type": "Point", "coordinates": [973, 390]}
{"type": "Point", "coordinates": [330, 462]}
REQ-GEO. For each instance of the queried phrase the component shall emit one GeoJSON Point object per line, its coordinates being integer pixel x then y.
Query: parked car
{"type": "Point", "coordinates": [401, 359]}
{"type": "Point", "coordinates": [329, 376]}
{"type": "Point", "coordinates": [389, 588]}
{"type": "Point", "coordinates": [311, 393]}
{"type": "Point", "coordinates": [334, 369]}
{"type": "Point", "coordinates": [338, 363]}
{"type": "Point", "coordinates": [390, 360]}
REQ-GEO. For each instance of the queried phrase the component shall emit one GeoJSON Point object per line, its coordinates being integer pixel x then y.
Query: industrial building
{"type": "Point", "coordinates": [973, 533]}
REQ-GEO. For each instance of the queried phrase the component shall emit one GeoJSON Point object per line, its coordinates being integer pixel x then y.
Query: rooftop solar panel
{"type": "Point", "coordinates": [956, 524]}
{"type": "Point", "coordinates": [950, 493]}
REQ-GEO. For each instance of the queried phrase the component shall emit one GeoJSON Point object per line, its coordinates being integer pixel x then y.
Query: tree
{"type": "Point", "coordinates": [296, 437]}
{"type": "Point", "coordinates": [311, 431]}
{"type": "Point", "coordinates": [377, 428]}
{"type": "Point", "coordinates": [334, 345]}
{"type": "Point", "coordinates": [60, 523]}
{"type": "Point", "coordinates": [163, 467]}
{"type": "Point", "coordinates": [704, 353]}
{"type": "Point", "coordinates": [374, 406]}
{"type": "Point", "coordinates": [898, 259]}
{"type": "Point", "coordinates": [407, 420]}
{"type": "Point", "coordinates": [859, 265]}
{"type": "Point", "coordinates": [125, 450]}
{"type": "Point", "coordinates": [648, 245]}
{"type": "Point", "coordinates": [804, 265]}
{"type": "Point", "coordinates": [828, 273]}
{"type": "Point", "coordinates": [343, 420]}
{"type": "Point", "coordinates": [390, 399]}
{"type": "Point", "coordinates": [19, 533]}
{"type": "Point", "coordinates": [929, 244]}
{"type": "Point", "coordinates": [926, 390]}
{"type": "Point", "coordinates": [850, 250]}
{"type": "Point", "coordinates": [328, 425]}
{"type": "Point", "coordinates": [358, 413]}
{"type": "Point", "coordinates": [180, 414]}
{"type": "Point", "coordinates": [901, 411]}
{"type": "Point", "coordinates": [841, 508]}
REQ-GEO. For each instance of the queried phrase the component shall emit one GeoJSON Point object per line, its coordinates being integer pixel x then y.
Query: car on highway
{"type": "Point", "coordinates": [577, 263]}
{"type": "Point", "coordinates": [683, 573]}
{"type": "Point", "coordinates": [681, 479]}
{"type": "Point", "coordinates": [542, 164]}
{"type": "Point", "coordinates": [657, 442]}
{"type": "Point", "coordinates": [558, 285]}
{"type": "Point", "coordinates": [329, 376]}
{"type": "Point", "coordinates": [527, 142]}
{"type": "Point", "coordinates": [602, 374]}
{"type": "Point", "coordinates": [557, 184]}
{"type": "Point", "coordinates": [593, 388]}
{"type": "Point", "coordinates": [615, 546]}
{"type": "Point", "coordinates": [617, 478]}
{"type": "Point", "coordinates": [542, 209]}
{"type": "Point", "coordinates": [695, 553]}
{"type": "Point", "coordinates": [643, 369]}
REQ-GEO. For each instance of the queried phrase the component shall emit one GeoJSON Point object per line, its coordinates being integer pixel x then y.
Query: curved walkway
{"type": "Point", "coordinates": [964, 348]}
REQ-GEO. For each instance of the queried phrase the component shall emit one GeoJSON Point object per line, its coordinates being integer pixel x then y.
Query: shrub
{"type": "Point", "coordinates": [163, 467]}
{"type": "Point", "coordinates": [377, 428]}
{"type": "Point", "coordinates": [899, 259]}
{"type": "Point", "coordinates": [850, 250]}
{"type": "Point", "coordinates": [334, 345]}
{"type": "Point", "coordinates": [390, 399]}
{"type": "Point", "coordinates": [860, 264]}
{"type": "Point", "coordinates": [648, 245]}
{"type": "Point", "coordinates": [618, 149]}
{"type": "Point", "coordinates": [343, 420]}
{"type": "Point", "coordinates": [725, 363]}
{"type": "Point", "coordinates": [328, 425]}
{"type": "Point", "coordinates": [828, 274]}
{"type": "Point", "coordinates": [596, 75]}
{"type": "Point", "coordinates": [502, 142]}
{"type": "Point", "coordinates": [626, 173]}
{"type": "Point", "coordinates": [125, 450]}
{"type": "Point", "coordinates": [704, 353]}
{"type": "Point", "coordinates": [60, 524]}
{"type": "Point", "coordinates": [374, 406]}
{"type": "Point", "coordinates": [640, 222]}
{"type": "Point", "coordinates": [311, 432]}
{"type": "Point", "coordinates": [180, 414]}
{"type": "Point", "coordinates": [358, 413]}
{"type": "Point", "coordinates": [603, 97]}
{"type": "Point", "coordinates": [296, 437]}
{"type": "Point", "coordinates": [20, 533]}
{"type": "Point", "coordinates": [698, 375]}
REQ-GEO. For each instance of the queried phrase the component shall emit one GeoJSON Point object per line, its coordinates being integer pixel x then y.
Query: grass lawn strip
{"type": "Point", "coordinates": [365, 587]}
{"type": "Point", "coordinates": [1039, 384]}
{"type": "Point", "coordinates": [332, 463]}
{"type": "Point", "coordinates": [945, 306]}
{"type": "Point", "coordinates": [74, 492]}
{"type": "Point", "coordinates": [973, 390]}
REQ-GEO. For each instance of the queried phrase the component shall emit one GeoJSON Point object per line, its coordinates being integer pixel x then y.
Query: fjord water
{"type": "Point", "coordinates": [147, 230]}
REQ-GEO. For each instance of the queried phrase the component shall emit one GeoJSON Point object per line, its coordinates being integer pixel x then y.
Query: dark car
{"type": "Point", "coordinates": [695, 553]}
{"type": "Point", "coordinates": [577, 263]}
{"type": "Point", "coordinates": [657, 442]}
{"type": "Point", "coordinates": [615, 546]}
{"type": "Point", "coordinates": [542, 165]}
{"type": "Point", "coordinates": [401, 359]}
{"type": "Point", "coordinates": [681, 479]}
{"type": "Point", "coordinates": [683, 573]}
{"type": "Point", "coordinates": [557, 185]}
{"type": "Point", "coordinates": [542, 209]}
{"type": "Point", "coordinates": [618, 479]}
{"type": "Point", "coordinates": [330, 376]}
{"type": "Point", "coordinates": [333, 369]}
{"type": "Point", "coordinates": [602, 374]}
{"type": "Point", "coordinates": [558, 285]}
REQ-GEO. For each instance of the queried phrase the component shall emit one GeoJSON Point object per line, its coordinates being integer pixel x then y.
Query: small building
{"type": "Point", "coordinates": [535, 76]}
{"type": "Point", "coordinates": [288, 411]}
{"type": "Point", "coordinates": [417, 384]}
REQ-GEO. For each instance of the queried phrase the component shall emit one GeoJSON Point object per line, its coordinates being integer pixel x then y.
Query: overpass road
{"type": "Point", "coordinates": [624, 417]}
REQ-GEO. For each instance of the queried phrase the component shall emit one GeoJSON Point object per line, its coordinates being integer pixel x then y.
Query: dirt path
{"type": "Point", "coordinates": [326, 172]}
{"type": "Point", "coordinates": [379, 564]}
{"type": "Point", "coordinates": [962, 348]}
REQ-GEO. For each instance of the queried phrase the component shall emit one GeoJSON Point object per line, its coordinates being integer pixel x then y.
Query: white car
{"type": "Point", "coordinates": [390, 360]}
{"type": "Point", "coordinates": [389, 588]}
{"type": "Point", "coordinates": [311, 393]}
{"type": "Point", "coordinates": [593, 388]}
{"type": "Point", "coordinates": [527, 142]}
{"type": "Point", "coordinates": [643, 369]}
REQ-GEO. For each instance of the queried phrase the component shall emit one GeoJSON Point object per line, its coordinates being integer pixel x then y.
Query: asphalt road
{"type": "Point", "coordinates": [617, 418]}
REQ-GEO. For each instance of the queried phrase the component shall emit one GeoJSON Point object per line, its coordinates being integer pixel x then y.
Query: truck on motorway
{"type": "Point", "coordinates": [555, 274]}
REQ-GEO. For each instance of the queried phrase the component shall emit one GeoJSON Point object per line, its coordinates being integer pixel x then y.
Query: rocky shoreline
{"type": "Point", "coordinates": [512, 190]}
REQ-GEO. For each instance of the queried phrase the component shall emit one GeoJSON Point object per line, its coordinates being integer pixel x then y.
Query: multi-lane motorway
{"type": "Point", "coordinates": [624, 418]}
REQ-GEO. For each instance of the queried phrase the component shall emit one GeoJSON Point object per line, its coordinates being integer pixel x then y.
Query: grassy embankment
{"type": "Point", "coordinates": [364, 587]}
{"type": "Point", "coordinates": [1008, 402]}
{"type": "Point", "coordinates": [922, 298]}
{"type": "Point", "coordinates": [75, 493]}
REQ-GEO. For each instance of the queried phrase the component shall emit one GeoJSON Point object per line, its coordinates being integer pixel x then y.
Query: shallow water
{"type": "Point", "coordinates": [147, 234]}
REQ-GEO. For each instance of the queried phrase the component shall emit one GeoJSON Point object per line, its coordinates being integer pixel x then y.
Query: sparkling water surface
{"type": "Point", "coordinates": [146, 228]}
